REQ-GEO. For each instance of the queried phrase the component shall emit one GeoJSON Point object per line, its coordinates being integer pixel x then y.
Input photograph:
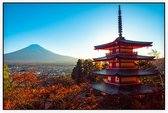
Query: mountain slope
{"type": "Point", "coordinates": [36, 54]}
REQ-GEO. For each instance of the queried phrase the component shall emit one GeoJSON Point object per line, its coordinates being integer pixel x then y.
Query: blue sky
{"type": "Point", "coordinates": [74, 29]}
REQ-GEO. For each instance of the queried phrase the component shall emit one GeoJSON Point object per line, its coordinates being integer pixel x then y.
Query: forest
{"type": "Point", "coordinates": [73, 91]}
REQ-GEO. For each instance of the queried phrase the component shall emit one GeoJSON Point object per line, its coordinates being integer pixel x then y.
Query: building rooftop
{"type": "Point", "coordinates": [126, 90]}
{"type": "Point", "coordinates": [125, 72]}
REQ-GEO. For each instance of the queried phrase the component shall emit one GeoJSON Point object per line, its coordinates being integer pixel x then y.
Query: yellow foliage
{"type": "Point", "coordinates": [99, 65]}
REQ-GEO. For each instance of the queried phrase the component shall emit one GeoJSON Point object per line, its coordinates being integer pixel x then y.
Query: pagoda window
{"type": "Point", "coordinates": [117, 50]}
{"type": "Point", "coordinates": [116, 79]}
{"type": "Point", "coordinates": [117, 65]}
{"type": "Point", "coordinates": [111, 51]}
{"type": "Point", "coordinates": [109, 79]}
{"type": "Point", "coordinates": [110, 65]}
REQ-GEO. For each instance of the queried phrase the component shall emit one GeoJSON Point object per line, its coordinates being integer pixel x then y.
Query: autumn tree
{"type": "Point", "coordinates": [99, 65]}
{"type": "Point", "coordinates": [152, 80]}
{"type": "Point", "coordinates": [155, 53]}
{"type": "Point", "coordinates": [145, 65]}
{"type": "Point", "coordinates": [25, 80]}
{"type": "Point", "coordinates": [66, 81]}
{"type": "Point", "coordinates": [50, 97]}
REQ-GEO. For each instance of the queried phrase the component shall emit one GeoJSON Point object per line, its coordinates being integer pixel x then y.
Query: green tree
{"type": "Point", "coordinates": [77, 71]}
{"type": "Point", "coordinates": [88, 67]}
{"type": "Point", "coordinates": [82, 72]}
{"type": "Point", "coordinates": [6, 76]}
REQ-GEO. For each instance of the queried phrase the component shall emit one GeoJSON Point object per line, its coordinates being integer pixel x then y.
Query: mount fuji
{"type": "Point", "coordinates": [37, 54]}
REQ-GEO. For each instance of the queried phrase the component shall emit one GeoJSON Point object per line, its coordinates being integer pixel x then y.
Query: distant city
{"type": "Point", "coordinates": [41, 69]}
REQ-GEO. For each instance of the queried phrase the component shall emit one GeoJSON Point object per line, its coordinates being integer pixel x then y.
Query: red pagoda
{"type": "Point", "coordinates": [121, 74]}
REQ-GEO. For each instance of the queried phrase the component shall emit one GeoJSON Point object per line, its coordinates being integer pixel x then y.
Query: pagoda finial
{"type": "Point", "coordinates": [119, 23]}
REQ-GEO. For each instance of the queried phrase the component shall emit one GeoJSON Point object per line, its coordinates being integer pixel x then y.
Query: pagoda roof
{"type": "Point", "coordinates": [123, 41]}
{"type": "Point", "coordinates": [126, 90]}
{"type": "Point", "coordinates": [125, 72]}
{"type": "Point", "coordinates": [124, 56]}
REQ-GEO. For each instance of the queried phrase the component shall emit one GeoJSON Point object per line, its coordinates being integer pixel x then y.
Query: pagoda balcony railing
{"type": "Point", "coordinates": [119, 84]}
{"type": "Point", "coordinates": [135, 53]}
{"type": "Point", "coordinates": [107, 54]}
{"type": "Point", "coordinates": [130, 53]}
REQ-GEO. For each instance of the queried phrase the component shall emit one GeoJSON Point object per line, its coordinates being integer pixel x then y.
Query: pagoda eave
{"type": "Point", "coordinates": [126, 57]}
{"type": "Point", "coordinates": [104, 46]}
{"type": "Point", "coordinates": [134, 44]}
{"type": "Point", "coordinates": [126, 90]}
{"type": "Point", "coordinates": [126, 72]}
{"type": "Point", "coordinates": [98, 60]}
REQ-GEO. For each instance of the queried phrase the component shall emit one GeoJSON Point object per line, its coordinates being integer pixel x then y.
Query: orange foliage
{"type": "Point", "coordinates": [99, 65]}
{"type": "Point", "coordinates": [8, 105]}
{"type": "Point", "coordinates": [27, 94]}
{"type": "Point", "coordinates": [25, 80]}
